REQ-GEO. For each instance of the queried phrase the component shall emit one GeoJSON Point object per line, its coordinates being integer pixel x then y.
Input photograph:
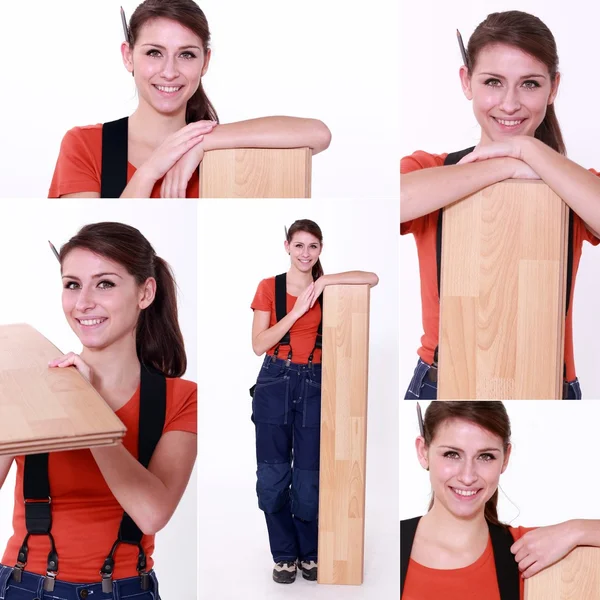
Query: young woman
{"type": "Point", "coordinates": [286, 407]}
{"type": "Point", "coordinates": [119, 298]}
{"type": "Point", "coordinates": [460, 549]}
{"type": "Point", "coordinates": [511, 75]}
{"type": "Point", "coordinates": [156, 152]}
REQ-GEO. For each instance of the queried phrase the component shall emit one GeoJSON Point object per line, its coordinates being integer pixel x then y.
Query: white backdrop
{"type": "Point", "coordinates": [551, 476]}
{"type": "Point", "coordinates": [239, 244]}
{"type": "Point", "coordinates": [32, 294]}
{"type": "Point", "coordinates": [337, 63]}
{"type": "Point", "coordinates": [437, 118]}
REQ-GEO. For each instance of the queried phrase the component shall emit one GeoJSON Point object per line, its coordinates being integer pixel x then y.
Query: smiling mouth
{"type": "Point", "coordinates": [466, 494]}
{"type": "Point", "coordinates": [91, 322]}
{"type": "Point", "coordinates": [509, 122]}
{"type": "Point", "coordinates": [168, 89]}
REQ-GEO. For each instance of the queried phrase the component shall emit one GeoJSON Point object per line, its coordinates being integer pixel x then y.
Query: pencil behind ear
{"type": "Point", "coordinates": [462, 49]}
{"type": "Point", "coordinates": [125, 27]}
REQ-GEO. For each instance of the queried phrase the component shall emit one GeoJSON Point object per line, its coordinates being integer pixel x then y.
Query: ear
{"type": "Point", "coordinates": [148, 293]}
{"type": "Point", "coordinates": [506, 458]}
{"type": "Point", "coordinates": [465, 81]}
{"type": "Point", "coordinates": [127, 54]}
{"type": "Point", "coordinates": [286, 245]}
{"type": "Point", "coordinates": [422, 452]}
{"type": "Point", "coordinates": [554, 90]}
{"type": "Point", "coordinates": [206, 62]}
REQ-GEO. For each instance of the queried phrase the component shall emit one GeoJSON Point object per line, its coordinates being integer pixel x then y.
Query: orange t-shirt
{"type": "Point", "coordinates": [475, 582]}
{"type": "Point", "coordinates": [79, 165]}
{"type": "Point", "coordinates": [303, 333]}
{"type": "Point", "coordinates": [85, 514]}
{"type": "Point", "coordinates": [425, 228]}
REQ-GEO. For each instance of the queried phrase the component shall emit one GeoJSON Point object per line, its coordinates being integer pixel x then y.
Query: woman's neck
{"type": "Point", "coordinates": [150, 128]}
{"type": "Point", "coordinates": [299, 278]}
{"type": "Point", "coordinates": [462, 531]}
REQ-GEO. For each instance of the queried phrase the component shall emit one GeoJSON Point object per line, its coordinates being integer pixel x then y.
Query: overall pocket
{"type": "Point", "coordinates": [270, 401]}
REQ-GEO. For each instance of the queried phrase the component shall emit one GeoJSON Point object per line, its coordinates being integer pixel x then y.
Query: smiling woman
{"type": "Point", "coordinates": [156, 151]}
{"type": "Point", "coordinates": [511, 76]}
{"type": "Point", "coordinates": [107, 503]}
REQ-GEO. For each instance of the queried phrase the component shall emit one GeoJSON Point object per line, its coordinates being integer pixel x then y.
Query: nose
{"type": "Point", "coordinates": [468, 473]}
{"type": "Point", "coordinates": [85, 300]}
{"type": "Point", "coordinates": [169, 68]}
{"type": "Point", "coordinates": [511, 102]}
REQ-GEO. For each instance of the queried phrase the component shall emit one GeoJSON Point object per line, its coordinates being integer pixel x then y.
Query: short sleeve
{"type": "Point", "coordinates": [588, 235]}
{"type": "Point", "coordinates": [182, 406]}
{"type": "Point", "coordinates": [265, 295]}
{"type": "Point", "coordinates": [79, 162]}
{"type": "Point", "coordinates": [416, 161]}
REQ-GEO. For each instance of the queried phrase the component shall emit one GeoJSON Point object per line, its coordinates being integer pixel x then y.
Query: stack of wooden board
{"type": "Point", "coordinates": [503, 290]}
{"type": "Point", "coordinates": [45, 409]}
{"type": "Point", "coordinates": [343, 434]}
{"type": "Point", "coordinates": [256, 173]}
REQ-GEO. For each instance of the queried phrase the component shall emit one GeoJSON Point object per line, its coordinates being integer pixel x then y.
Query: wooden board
{"type": "Point", "coordinates": [575, 577]}
{"type": "Point", "coordinates": [43, 409]}
{"type": "Point", "coordinates": [343, 434]}
{"type": "Point", "coordinates": [503, 290]}
{"type": "Point", "coordinates": [256, 173]}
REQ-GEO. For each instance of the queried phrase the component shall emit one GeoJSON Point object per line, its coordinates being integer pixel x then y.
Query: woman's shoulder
{"type": "Point", "coordinates": [178, 387]}
{"type": "Point", "coordinates": [88, 136]}
{"type": "Point", "coordinates": [421, 160]}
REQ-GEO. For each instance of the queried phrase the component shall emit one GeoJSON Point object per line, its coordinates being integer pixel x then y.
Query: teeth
{"type": "Point", "coordinates": [509, 123]}
{"type": "Point", "coordinates": [170, 89]}
{"type": "Point", "coordinates": [88, 322]}
{"type": "Point", "coordinates": [464, 492]}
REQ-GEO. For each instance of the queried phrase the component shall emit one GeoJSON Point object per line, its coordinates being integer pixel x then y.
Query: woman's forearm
{"type": "Point", "coordinates": [586, 531]}
{"type": "Point", "coordinates": [270, 132]}
{"type": "Point", "coordinates": [427, 190]}
{"type": "Point", "coordinates": [270, 337]}
{"type": "Point", "coordinates": [351, 278]}
{"type": "Point", "coordinates": [5, 464]}
{"type": "Point", "coordinates": [579, 188]}
{"type": "Point", "coordinates": [139, 186]}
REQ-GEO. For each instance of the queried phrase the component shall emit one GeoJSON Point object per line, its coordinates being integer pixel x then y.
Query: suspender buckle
{"type": "Point", "coordinates": [17, 572]}
{"type": "Point", "coordinates": [49, 581]}
{"type": "Point", "coordinates": [145, 581]}
{"type": "Point", "coordinates": [107, 586]}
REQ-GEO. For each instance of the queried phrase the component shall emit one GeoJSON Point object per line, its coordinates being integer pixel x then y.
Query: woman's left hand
{"type": "Point", "coordinates": [511, 147]}
{"type": "Point", "coordinates": [542, 547]}
{"type": "Point", "coordinates": [319, 287]}
{"type": "Point", "coordinates": [72, 360]}
{"type": "Point", "coordinates": [176, 179]}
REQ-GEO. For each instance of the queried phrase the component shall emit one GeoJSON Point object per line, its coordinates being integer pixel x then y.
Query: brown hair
{"type": "Point", "coordinates": [311, 227]}
{"type": "Point", "coordinates": [532, 36]}
{"type": "Point", "coordinates": [490, 415]}
{"type": "Point", "coordinates": [159, 341]}
{"type": "Point", "coordinates": [188, 14]}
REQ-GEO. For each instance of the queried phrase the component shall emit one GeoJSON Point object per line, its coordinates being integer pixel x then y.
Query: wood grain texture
{"type": "Point", "coordinates": [256, 173]}
{"type": "Point", "coordinates": [575, 577]}
{"type": "Point", "coordinates": [343, 434]}
{"type": "Point", "coordinates": [43, 409]}
{"type": "Point", "coordinates": [502, 297]}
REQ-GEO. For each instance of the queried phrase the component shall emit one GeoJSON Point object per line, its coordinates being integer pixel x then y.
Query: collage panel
{"type": "Point", "coordinates": [512, 255]}
{"type": "Point", "coordinates": [261, 453]}
{"type": "Point", "coordinates": [123, 293]}
{"type": "Point", "coordinates": [488, 505]}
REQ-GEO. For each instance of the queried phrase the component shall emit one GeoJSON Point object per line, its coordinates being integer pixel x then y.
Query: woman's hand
{"type": "Point", "coordinates": [72, 360]}
{"type": "Point", "coordinates": [542, 547]}
{"type": "Point", "coordinates": [510, 147]}
{"type": "Point", "coordinates": [176, 180]}
{"type": "Point", "coordinates": [304, 301]}
{"type": "Point", "coordinates": [174, 147]}
{"type": "Point", "coordinates": [319, 287]}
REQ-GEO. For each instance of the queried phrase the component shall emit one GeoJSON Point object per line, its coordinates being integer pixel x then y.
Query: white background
{"type": "Point", "coordinates": [240, 243]}
{"type": "Point", "coordinates": [335, 62]}
{"type": "Point", "coordinates": [552, 473]}
{"type": "Point", "coordinates": [437, 118]}
{"type": "Point", "coordinates": [31, 294]}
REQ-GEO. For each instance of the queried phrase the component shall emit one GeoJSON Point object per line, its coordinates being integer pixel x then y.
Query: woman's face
{"type": "Point", "coordinates": [168, 61]}
{"type": "Point", "coordinates": [304, 250]}
{"type": "Point", "coordinates": [510, 90]}
{"type": "Point", "coordinates": [100, 299]}
{"type": "Point", "coordinates": [465, 462]}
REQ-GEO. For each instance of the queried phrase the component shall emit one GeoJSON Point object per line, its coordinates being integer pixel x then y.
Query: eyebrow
{"type": "Point", "coordinates": [180, 48]}
{"type": "Point", "coordinates": [93, 276]}
{"type": "Point", "coordinates": [478, 451]}
{"type": "Point", "coordinates": [530, 76]}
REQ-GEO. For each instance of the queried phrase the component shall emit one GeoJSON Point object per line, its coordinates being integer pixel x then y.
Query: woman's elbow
{"type": "Point", "coordinates": [153, 523]}
{"type": "Point", "coordinates": [374, 279]}
{"type": "Point", "coordinates": [322, 137]}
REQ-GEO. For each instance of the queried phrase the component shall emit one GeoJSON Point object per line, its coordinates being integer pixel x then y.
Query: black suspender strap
{"type": "Point", "coordinates": [452, 159]}
{"type": "Point", "coordinates": [38, 516]}
{"type": "Point", "coordinates": [153, 406]}
{"type": "Point", "coordinates": [408, 528]}
{"type": "Point", "coordinates": [319, 338]}
{"type": "Point", "coordinates": [507, 571]}
{"type": "Point", "coordinates": [113, 176]}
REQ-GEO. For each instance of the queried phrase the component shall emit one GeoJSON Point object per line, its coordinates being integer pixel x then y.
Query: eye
{"type": "Point", "coordinates": [531, 84]}
{"type": "Point", "coordinates": [188, 55]}
{"type": "Point", "coordinates": [451, 454]}
{"type": "Point", "coordinates": [153, 52]}
{"type": "Point", "coordinates": [105, 284]}
{"type": "Point", "coordinates": [493, 82]}
{"type": "Point", "coordinates": [487, 457]}
{"type": "Point", "coordinates": [71, 285]}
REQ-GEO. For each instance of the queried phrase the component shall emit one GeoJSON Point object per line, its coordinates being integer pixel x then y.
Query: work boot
{"type": "Point", "coordinates": [284, 571]}
{"type": "Point", "coordinates": [309, 569]}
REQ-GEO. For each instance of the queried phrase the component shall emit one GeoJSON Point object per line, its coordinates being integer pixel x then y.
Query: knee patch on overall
{"type": "Point", "coordinates": [305, 494]}
{"type": "Point", "coordinates": [273, 486]}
